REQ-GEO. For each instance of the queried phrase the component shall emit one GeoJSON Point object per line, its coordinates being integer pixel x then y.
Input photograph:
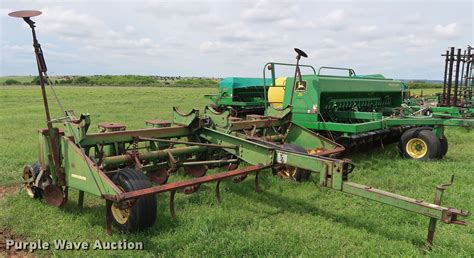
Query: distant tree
{"type": "Point", "coordinates": [65, 81]}
{"type": "Point", "coordinates": [81, 80]}
{"type": "Point", "coordinates": [12, 82]}
{"type": "Point", "coordinates": [36, 80]}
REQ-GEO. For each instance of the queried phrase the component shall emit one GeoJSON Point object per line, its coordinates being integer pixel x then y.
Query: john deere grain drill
{"type": "Point", "coordinates": [348, 108]}
{"type": "Point", "coordinates": [359, 111]}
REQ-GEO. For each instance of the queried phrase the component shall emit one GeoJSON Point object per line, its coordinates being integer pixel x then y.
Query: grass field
{"type": "Point", "coordinates": [425, 92]}
{"type": "Point", "coordinates": [284, 219]}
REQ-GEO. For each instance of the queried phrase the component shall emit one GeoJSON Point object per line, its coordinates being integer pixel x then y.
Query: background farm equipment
{"type": "Point", "coordinates": [128, 168]}
{"type": "Point", "coordinates": [240, 95]}
{"type": "Point", "coordinates": [456, 98]}
{"type": "Point", "coordinates": [362, 111]}
{"type": "Point", "coordinates": [458, 79]}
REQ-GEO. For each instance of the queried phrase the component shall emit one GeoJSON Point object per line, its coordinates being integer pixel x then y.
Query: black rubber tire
{"type": "Point", "coordinates": [142, 214]}
{"type": "Point", "coordinates": [300, 175]}
{"type": "Point", "coordinates": [444, 147]}
{"type": "Point", "coordinates": [408, 134]}
{"type": "Point", "coordinates": [433, 144]}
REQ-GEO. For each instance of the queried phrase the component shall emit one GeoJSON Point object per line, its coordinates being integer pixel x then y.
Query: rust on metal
{"type": "Point", "coordinates": [158, 123]}
{"type": "Point", "coordinates": [160, 154]}
{"type": "Point", "coordinates": [25, 13]}
{"type": "Point", "coordinates": [185, 183]}
{"type": "Point", "coordinates": [159, 176]}
{"type": "Point", "coordinates": [188, 143]}
{"type": "Point", "coordinates": [239, 178]}
{"type": "Point", "coordinates": [249, 124]}
{"type": "Point", "coordinates": [172, 209]}
{"type": "Point", "coordinates": [196, 170]}
{"type": "Point", "coordinates": [44, 131]}
{"type": "Point", "coordinates": [253, 117]}
{"type": "Point", "coordinates": [129, 135]}
{"type": "Point", "coordinates": [54, 195]}
{"type": "Point", "coordinates": [191, 189]}
{"type": "Point", "coordinates": [111, 127]}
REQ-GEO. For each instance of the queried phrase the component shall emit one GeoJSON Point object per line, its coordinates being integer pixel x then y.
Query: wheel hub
{"type": "Point", "coordinates": [416, 148]}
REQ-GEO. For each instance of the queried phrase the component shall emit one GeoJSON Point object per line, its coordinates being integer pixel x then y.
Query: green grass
{"type": "Point", "coordinates": [284, 219]}
{"type": "Point", "coordinates": [425, 92]}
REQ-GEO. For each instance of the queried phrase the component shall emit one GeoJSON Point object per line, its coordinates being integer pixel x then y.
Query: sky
{"type": "Point", "coordinates": [400, 39]}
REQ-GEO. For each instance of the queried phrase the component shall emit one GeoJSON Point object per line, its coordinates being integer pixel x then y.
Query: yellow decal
{"type": "Point", "coordinates": [79, 177]}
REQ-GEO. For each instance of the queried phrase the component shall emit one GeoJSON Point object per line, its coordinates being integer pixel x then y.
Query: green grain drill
{"type": "Point", "coordinates": [360, 111]}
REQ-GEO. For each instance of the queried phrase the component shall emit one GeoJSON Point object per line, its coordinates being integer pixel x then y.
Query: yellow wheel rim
{"type": "Point", "coordinates": [120, 215]}
{"type": "Point", "coordinates": [416, 148]}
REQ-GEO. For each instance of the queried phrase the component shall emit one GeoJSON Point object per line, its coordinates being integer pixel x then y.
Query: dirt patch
{"type": "Point", "coordinates": [8, 234]}
{"type": "Point", "coordinates": [5, 190]}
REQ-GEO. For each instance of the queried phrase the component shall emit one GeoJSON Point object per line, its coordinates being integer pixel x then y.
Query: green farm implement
{"type": "Point", "coordinates": [240, 95]}
{"type": "Point", "coordinates": [362, 111]}
{"type": "Point", "coordinates": [128, 168]}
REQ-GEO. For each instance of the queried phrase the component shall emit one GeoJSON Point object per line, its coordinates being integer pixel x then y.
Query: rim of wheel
{"type": "Point", "coordinates": [416, 148]}
{"type": "Point", "coordinates": [120, 215]}
{"type": "Point", "coordinates": [27, 175]}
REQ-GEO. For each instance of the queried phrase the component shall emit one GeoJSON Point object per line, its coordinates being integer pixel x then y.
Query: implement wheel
{"type": "Point", "coordinates": [35, 187]}
{"type": "Point", "coordinates": [420, 144]}
{"type": "Point", "coordinates": [141, 212]}
{"type": "Point", "coordinates": [30, 172]}
{"type": "Point", "coordinates": [289, 172]}
{"type": "Point", "coordinates": [444, 147]}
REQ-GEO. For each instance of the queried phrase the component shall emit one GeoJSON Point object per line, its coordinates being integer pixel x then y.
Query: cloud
{"type": "Point", "coordinates": [215, 37]}
{"type": "Point", "coordinates": [187, 9]}
{"type": "Point", "coordinates": [212, 46]}
{"type": "Point", "coordinates": [69, 23]}
{"type": "Point", "coordinates": [269, 11]}
{"type": "Point", "coordinates": [447, 31]}
{"type": "Point", "coordinates": [5, 11]}
{"type": "Point", "coordinates": [94, 34]}
{"type": "Point", "coordinates": [411, 19]}
{"type": "Point", "coordinates": [334, 17]}
{"type": "Point", "coordinates": [333, 20]}
{"type": "Point", "coordinates": [367, 29]}
{"type": "Point", "coordinates": [14, 48]}
{"type": "Point", "coordinates": [130, 29]}
{"type": "Point", "coordinates": [360, 45]}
